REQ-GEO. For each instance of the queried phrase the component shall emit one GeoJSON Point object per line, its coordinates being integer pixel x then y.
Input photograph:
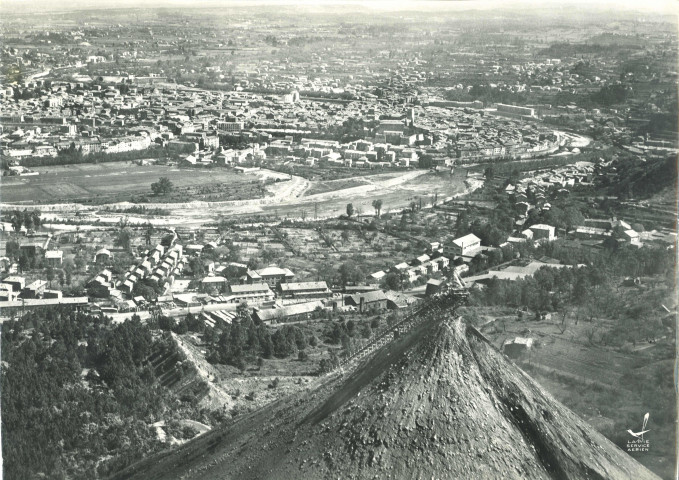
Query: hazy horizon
{"type": "Point", "coordinates": [654, 6]}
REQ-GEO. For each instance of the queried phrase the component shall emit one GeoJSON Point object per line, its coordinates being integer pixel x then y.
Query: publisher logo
{"type": "Point", "coordinates": [639, 443]}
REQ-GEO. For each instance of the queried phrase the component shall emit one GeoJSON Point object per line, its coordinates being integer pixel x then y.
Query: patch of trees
{"type": "Point", "coordinates": [493, 231]}
{"type": "Point", "coordinates": [377, 205]}
{"type": "Point", "coordinates": [512, 169]}
{"type": "Point", "coordinates": [426, 161]}
{"type": "Point", "coordinates": [162, 187]}
{"type": "Point", "coordinates": [271, 40]}
{"type": "Point", "coordinates": [190, 323]}
{"type": "Point", "coordinates": [12, 249]}
{"type": "Point", "coordinates": [350, 334]}
{"type": "Point", "coordinates": [610, 95]}
{"type": "Point", "coordinates": [78, 393]}
{"type": "Point", "coordinates": [28, 259]}
{"type": "Point", "coordinates": [138, 210]}
{"type": "Point", "coordinates": [244, 340]}
{"type": "Point", "coordinates": [564, 217]}
{"type": "Point", "coordinates": [30, 219]}
{"type": "Point", "coordinates": [351, 129]}
{"type": "Point", "coordinates": [487, 94]}
{"type": "Point", "coordinates": [124, 234]}
{"type": "Point", "coordinates": [344, 96]}
{"type": "Point", "coordinates": [147, 288]}
{"type": "Point", "coordinates": [350, 273]}
{"type": "Point", "coordinates": [566, 49]}
{"type": "Point", "coordinates": [394, 281]}
{"type": "Point", "coordinates": [328, 364]}
{"type": "Point", "coordinates": [662, 123]}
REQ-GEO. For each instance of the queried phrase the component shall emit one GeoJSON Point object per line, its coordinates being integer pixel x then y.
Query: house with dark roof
{"type": "Point", "coordinates": [15, 282]}
{"type": "Point", "coordinates": [375, 301]}
{"type": "Point", "coordinates": [103, 256]}
{"type": "Point", "coordinates": [517, 347]}
{"type": "Point", "coordinates": [214, 282]}
{"type": "Point", "coordinates": [54, 258]}
{"type": "Point", "coordinates": [433, 287]}
{"type": "Point", "coordinates": [34, 290]}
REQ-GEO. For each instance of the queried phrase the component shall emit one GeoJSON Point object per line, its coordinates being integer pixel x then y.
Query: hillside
{"type": "Point", "coordinates": [439, 402]}
{"type": "Point", "coordinates": [643, 179]}
{"type": "Point", "coordinates": [81, 397]}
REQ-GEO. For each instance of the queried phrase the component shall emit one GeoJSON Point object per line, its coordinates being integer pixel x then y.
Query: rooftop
{"type": "Point", "coordinates": [374, 296]}
{"type": "Point", "coordinates": [249, 288]}
{"type": "Point", "coordinates": [292, 287]}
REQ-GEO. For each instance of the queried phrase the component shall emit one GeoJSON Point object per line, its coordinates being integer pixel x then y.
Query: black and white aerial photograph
{"type": "Point", "coordinates": [338, 239]}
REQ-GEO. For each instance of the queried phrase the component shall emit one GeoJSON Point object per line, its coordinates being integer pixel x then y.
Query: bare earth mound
{"type": "Point", "coordinates": [439, 403]}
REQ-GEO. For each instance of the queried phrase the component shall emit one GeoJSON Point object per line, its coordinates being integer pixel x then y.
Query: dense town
{"type": "Point", "coordinates": [265, 204]}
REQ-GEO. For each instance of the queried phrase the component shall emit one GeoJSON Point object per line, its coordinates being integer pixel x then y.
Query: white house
{"type": "Point", "coordinates": [543, 231]}
{"type": "Point", "coordinates": [466, 246]}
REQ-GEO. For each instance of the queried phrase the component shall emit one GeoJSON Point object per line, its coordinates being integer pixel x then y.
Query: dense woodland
{"type": "Point", "coordinates": [79, 394]}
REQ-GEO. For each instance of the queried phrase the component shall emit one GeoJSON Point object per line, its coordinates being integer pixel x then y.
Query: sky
{"type": "Point", "coordinates": [647, 6]}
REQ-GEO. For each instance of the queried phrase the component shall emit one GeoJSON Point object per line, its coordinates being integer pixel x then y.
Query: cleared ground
{"type": "Point", "coordinates": [333, 185]}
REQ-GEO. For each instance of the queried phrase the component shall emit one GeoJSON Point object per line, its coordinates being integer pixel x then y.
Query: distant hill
{"type": "Point", "coordinates": [441, 402]}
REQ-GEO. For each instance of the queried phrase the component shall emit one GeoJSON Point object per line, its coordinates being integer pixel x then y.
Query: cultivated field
{"type": "Point", "coordinates": [118, 182]}
{"type": "Point", "coordinates": [569, 354]}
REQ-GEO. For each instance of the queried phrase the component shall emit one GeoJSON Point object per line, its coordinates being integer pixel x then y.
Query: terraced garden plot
{"type": "Point", "coordinates": [306, 242]}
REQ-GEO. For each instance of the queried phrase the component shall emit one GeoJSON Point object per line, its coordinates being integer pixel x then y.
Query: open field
{"type": "Point", "coordinates": [569, 354]}
{"type": "Point", "coordinates": [284, 198]}
{"type": "Point", "coordinates": [611, 412]}
{"type": "Point", "coordinates": [117, 182]}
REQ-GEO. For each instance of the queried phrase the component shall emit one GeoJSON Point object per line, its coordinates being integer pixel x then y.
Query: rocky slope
{"type": "Point", "coordinates": [440, 402]}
